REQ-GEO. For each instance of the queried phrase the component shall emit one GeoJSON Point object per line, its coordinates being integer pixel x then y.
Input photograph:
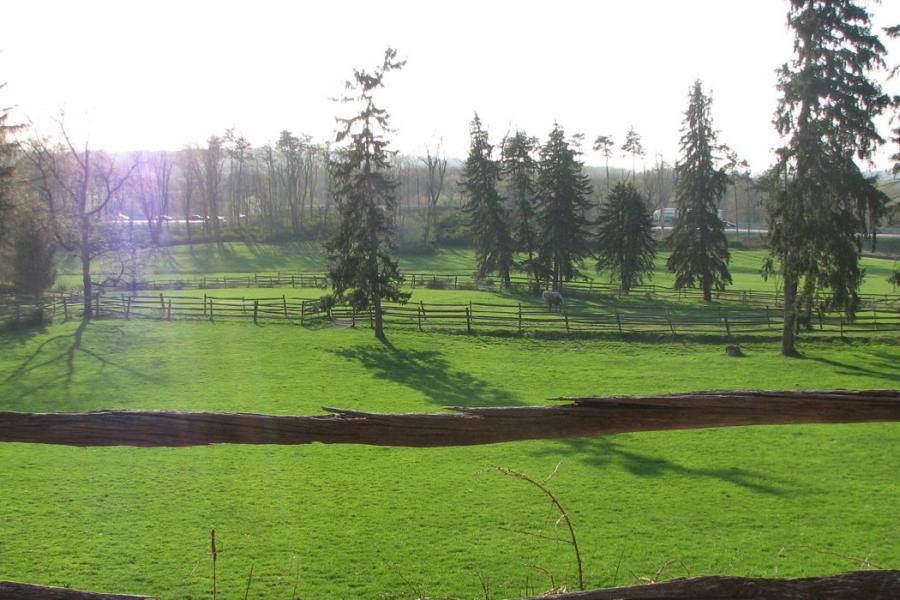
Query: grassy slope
{"type": "Point", "coordinates": [179, 261]}
{"type": "Point", "coordinates": [359, 521]}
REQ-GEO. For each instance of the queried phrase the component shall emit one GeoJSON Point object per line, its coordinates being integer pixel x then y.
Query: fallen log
{"type": "Point", "coordinates": [12, 590]}
{"type": "Point", "coordinates": [871, 585]}
{"type": "Point", "coordinates": [579, 417]}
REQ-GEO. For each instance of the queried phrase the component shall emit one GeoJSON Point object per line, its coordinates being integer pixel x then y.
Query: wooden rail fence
{"type": "Point", "coordinates": [468, 281]}
{"type": "Point", "coordinates": [702, 320]}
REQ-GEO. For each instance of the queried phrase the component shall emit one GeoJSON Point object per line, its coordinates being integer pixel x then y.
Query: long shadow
{"type": "Point", "coordinates": [75, 347]}
{"type": "Point", "coordinates": [428, 372]}
{"type": "Point", "coordinates": [889, 373]}
{"type": "Point", "coordinates": [19, 378]}
{"type": "Point", "coordinates": [603, 452]}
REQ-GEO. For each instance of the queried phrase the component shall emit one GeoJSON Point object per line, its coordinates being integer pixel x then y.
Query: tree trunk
{"type": "Point", "coordinates": [86, 266]}
{"type": "Point", "coordinates": [379, 321]}
{"type": "Point", "coordinates": [790, 316]}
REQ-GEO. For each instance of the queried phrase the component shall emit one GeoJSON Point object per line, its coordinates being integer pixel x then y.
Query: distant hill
{"type": "Point", "coordinates": [891, 187]}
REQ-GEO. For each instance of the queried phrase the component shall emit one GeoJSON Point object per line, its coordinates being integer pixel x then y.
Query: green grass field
{"type": "Point", "coordinates": [356, 521]}
{"type": "Point", "coordinates": [240, 258]}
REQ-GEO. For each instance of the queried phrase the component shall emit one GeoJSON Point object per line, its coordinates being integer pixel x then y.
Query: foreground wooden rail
{"type": "Point", "coordinates": [12, 590]}
{"type": "Point", "coordinates": [578, 417]}
{"type": "Point", "coordinates": [872, 585]}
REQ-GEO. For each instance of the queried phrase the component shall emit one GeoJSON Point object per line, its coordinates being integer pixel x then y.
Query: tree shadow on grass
{"type": "Point", "coordinates": [604, 451]}
{"type": "Point", "coordinates": [880, 366]}
{"type": "Point", "coordinates": [44, 371]}
{"type": "Point", "coordinates": [428, 372]}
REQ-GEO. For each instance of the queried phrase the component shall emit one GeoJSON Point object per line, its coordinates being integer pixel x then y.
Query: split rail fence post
{"type": "Point", "coordinates": [65, 309]}
{"type": "Point", "coordinates": [162, 302]}
{"type": "Point", "coordinates": [255, 311]}
{"type": "Point", "coordinates": [419, 314]}
{"type": "Point", "coordinates": [468, 320]}
{"type": "Point", "coordinates": [169, 310]}
{"type": "Point", "coordinates": [727, 326]}
{"type": "Point", "coordinates": [520, 317]}
{"type": "Point", "coordinates": [619, 323]}
{"type": "Point", "coordinates": [204, 305]}
{"type": "Point", "coordinates": [124, 310]}
{"type": "Point", "coordinates": [284, 304]}
{"type": "Point", "coordinates": [768, 319]}
{"type": "Point", "coordinates": [210, 310]}
{"type": "Point", "coordinates": [302, 311]}
{"type": "Point", "coordinates": [875, 318]}
{"type": "Point", "coordinates": [669, 319]}
{"type": "Point", "coordinates": [566, 317]}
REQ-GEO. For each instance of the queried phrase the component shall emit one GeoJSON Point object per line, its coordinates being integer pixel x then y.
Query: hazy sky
{"type": "Point", "coordinates": [160, 74]}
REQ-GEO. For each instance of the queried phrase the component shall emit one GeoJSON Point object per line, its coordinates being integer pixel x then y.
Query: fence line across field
{"type": "Point", "coordinates": [467, 281]}
{"type": "Point", "coordinates": [720, 321]}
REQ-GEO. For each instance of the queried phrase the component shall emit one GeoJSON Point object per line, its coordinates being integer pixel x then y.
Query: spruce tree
{"type": "Point", "coordinates": [894, 32]}
{"type": "Point", "coordinates": [562, 200]}
{"type": "Point", "coordinates": [826, 113]}
{"type": "Point", "coordinates": [625, 243]}
{"type": "Point", "coordinates": [699, 249]}
{"type": "Point", "coordinates": [34, 253]}
{"type": "Point", "coordinates": [518, 169]}
{"type": "Point", "coordinates": [7, 165]}
{"type": "Point", "coordinates": [488, 219]}
{"type": "Point", "coordinates": [363, 273]}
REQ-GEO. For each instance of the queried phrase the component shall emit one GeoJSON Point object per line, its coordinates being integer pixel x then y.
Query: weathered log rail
{"type": "Point", "coordinates": [13, 590]}
{"type": "Point", "coordinates": [871, 585]}
{"type": "Point", "coordinates": [577, 417]}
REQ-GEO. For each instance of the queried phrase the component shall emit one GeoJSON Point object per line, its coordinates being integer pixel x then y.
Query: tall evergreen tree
{"type": "Point", "coordinates": [519, 168]}
{"type": "Point", "coordinates": [562, 199]}
{"type": "Point", "coordinates": [7, 165]}
{"type": "Point", "coordinates": [625, 243]}
{"type": "Point", "coordinates": [488, 219]}
{"type": "Point", "coordinates": [363, 272]}
{"type": "Point", "coordinates": [34, 253]}
{"type": "Point", "coordinates": [826, 113]}
{"type": "Point", "coordinates": [894, 32]}
{"type": "Point", "coordinates": [699, 248]}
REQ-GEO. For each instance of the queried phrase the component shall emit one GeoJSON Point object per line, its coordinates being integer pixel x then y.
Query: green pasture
{"type": "Point", "coordinates": [365, 522]}
{"type": "Point", "coordinates": [238, 259]}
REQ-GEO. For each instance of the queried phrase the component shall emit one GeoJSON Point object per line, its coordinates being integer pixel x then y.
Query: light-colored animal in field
{"type": "Point", "coordinates": [553, 298]}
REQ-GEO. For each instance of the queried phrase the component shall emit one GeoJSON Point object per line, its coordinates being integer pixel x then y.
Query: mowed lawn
{"type": "Point", "coordinates": [357, 521]}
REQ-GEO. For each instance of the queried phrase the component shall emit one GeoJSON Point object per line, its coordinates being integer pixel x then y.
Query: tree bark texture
{"type": "Point", "coordinates": [577, 417]}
